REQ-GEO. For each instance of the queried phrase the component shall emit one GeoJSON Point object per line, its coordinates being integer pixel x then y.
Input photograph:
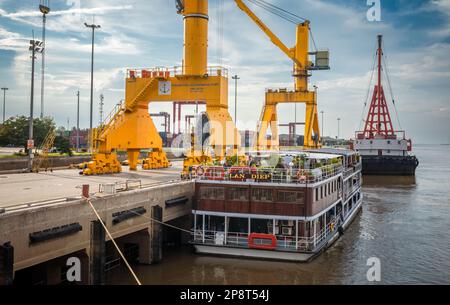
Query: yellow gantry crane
{"type": "Point", "coordinates": [130, 127]}
{"type": "Point", "coordinates": [299, 54]}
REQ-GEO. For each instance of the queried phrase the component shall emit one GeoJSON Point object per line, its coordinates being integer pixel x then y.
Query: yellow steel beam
{"type": "Point", "coordinates": [273, 38]}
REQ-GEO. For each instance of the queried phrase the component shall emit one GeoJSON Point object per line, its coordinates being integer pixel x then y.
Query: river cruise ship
{"type": "Point", "coordinates": [282, 206]}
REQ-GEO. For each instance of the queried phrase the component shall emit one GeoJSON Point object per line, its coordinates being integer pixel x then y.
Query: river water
{"type": "Point", "coordinates": [405, 222]}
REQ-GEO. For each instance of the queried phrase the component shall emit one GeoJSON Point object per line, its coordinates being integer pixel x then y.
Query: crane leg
{"type": "Point", "coordinates": [312, 127]}
{"type": "Point", "coordinates": [133, 155]}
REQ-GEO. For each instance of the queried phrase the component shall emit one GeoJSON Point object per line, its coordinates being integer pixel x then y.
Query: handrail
{"type": "Point", "coordinates": [118, 108]}
{"type": "Point", "coordinates": [165, 72]}
{"type": "Point", "coordinates": [267, 174]}
{"type": "Point", "coordinates": [59, 200]}
{"type": "Point", "coordinates": [302, 243]}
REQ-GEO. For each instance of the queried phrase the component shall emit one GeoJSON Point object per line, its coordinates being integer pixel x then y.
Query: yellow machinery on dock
{"type": "Point", "coordinates": [43, 161]}
{"type": "Point", "coordinates": [299, 54]}
{"type": "Point", "coordinates": [130, 127]}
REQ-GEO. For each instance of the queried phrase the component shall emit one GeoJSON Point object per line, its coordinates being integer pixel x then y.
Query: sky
{"type": "Point", "coordinates": [149, 33]}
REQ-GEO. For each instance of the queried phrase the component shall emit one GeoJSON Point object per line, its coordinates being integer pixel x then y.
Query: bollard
{"type": "Point", "coordinates": [85, 192]}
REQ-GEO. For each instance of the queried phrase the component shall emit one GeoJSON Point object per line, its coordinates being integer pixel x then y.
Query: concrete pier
{"type": "Point", "coordinates": [40, 238]}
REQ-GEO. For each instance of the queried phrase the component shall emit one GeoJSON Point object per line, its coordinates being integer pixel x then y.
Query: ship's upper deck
{"type": "Point", "coordinates": [284, 167]}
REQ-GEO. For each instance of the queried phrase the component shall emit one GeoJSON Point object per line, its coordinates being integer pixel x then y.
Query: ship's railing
{"type": "Point", "coordinates": [265, 175]}
{"type": "Point", "coordinates": [166, 72]}
{"type": "Point", "coordinates": [349, 191]}
{"type": "Point", "coordinates": [287, 243]}
{"type": "Point", "coordinates": [353, 169]}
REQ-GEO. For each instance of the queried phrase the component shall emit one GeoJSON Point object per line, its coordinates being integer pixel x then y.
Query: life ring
{"type": "Point", "coordinates": [271, 246]}
{"type": "Point", "coordinates": [215, 173]}
{"type": "Point", "coordinates": [301, 176]}
{"type": "Point", "coordinates": [200, 171]}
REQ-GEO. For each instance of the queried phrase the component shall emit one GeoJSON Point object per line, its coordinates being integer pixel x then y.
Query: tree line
{"type": "Point", "coordinates": [15, 132]}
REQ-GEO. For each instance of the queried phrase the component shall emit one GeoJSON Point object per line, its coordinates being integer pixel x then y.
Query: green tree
{"type": "Point", "coordinates": [62, 144]}
{"type": "Point", "coordinates": [15, 131]}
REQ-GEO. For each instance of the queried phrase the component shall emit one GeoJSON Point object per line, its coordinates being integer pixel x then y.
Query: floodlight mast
{"type": "Point", "coordinates": [44, 7]}
{"type": "Point", "coordinates": [93, 27]}
{"type": "Point", "coordinates": [35, 47]}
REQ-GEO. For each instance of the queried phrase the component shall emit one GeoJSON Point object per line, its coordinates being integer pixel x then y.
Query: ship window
{"type": "Point", "coordinates": [262, 226]}
{"type": "Point", "coordinates": [389, 142]}
{"type": "Point", "coordinates": [399, 143]}
{"type": "Point", "coordinates": [290, 197]}
{"type": "Point", "coordinates": [215, 223]}
{"type": "Point", "coordinates": [238, 225]}
{"type": "Point", "coordinates": [263, 195]}
{"type": "Point", "coordinates": [321, 192]}
{"type": "Point", "coordinates": [317, 194]}
{"type": "Point", "coordinates": [329, 188]}
{"type": "Point", "coordinates": [212, 193]}
{"type": "Point", "coordinates": [389, 151]}
{"type": "Point", "coordinates": [238, 194]}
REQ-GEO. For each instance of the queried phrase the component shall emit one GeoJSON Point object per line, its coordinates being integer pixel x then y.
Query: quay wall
{"type": "Point", "coordinates": [20, 228]}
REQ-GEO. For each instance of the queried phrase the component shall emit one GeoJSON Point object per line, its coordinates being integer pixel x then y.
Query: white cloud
{"type": "Point", "coordinates": [75, 11]}
{"type": "Point", "coordinates": [11, 40]}
{"type": "Point", "coordinates": [150, 34]}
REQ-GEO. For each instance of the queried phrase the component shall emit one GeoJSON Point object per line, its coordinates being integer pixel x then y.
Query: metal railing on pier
{"type": "Point", "coordinates": [128, 185]}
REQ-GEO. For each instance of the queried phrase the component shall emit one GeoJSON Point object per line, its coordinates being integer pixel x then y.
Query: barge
{"type": "Point", "coordinates": [282, 206]}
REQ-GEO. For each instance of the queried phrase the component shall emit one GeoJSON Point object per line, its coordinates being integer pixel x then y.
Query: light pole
{"type": "Point", "coordinates": [102, 98]}
{"type": "Point", "coordinates": [35, 47]}
{"type": "Point", "coordinates": [78, 121]}
{"type": "Point", "coordinates": [44, 7]}
{"type": "Point", "coordinates": [339, 128]}
{"type": "Point", "coordinates": [323, 130]}
{"type": "Point", "coordinates": [4, 103]}
{"type": "Point", "coordinates": [236, 78]}
{"type": "Point", "coordinates": [93, 27]}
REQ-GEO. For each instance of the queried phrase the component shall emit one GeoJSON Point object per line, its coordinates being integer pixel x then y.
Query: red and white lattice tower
{"type": "Point", "coordinates": [378, 122]}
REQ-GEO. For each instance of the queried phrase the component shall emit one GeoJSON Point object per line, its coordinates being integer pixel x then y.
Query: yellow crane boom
{"type": "Point", "coordinates": [299, 54]}
{"type": "Point", "coordinates": [275, 40]}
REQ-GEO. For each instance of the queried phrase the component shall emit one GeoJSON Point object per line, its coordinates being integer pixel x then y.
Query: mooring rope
{"type": "Point", "coordinates": [168, 225]}
{"type": "Point", "coordinates": [114, 242]}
